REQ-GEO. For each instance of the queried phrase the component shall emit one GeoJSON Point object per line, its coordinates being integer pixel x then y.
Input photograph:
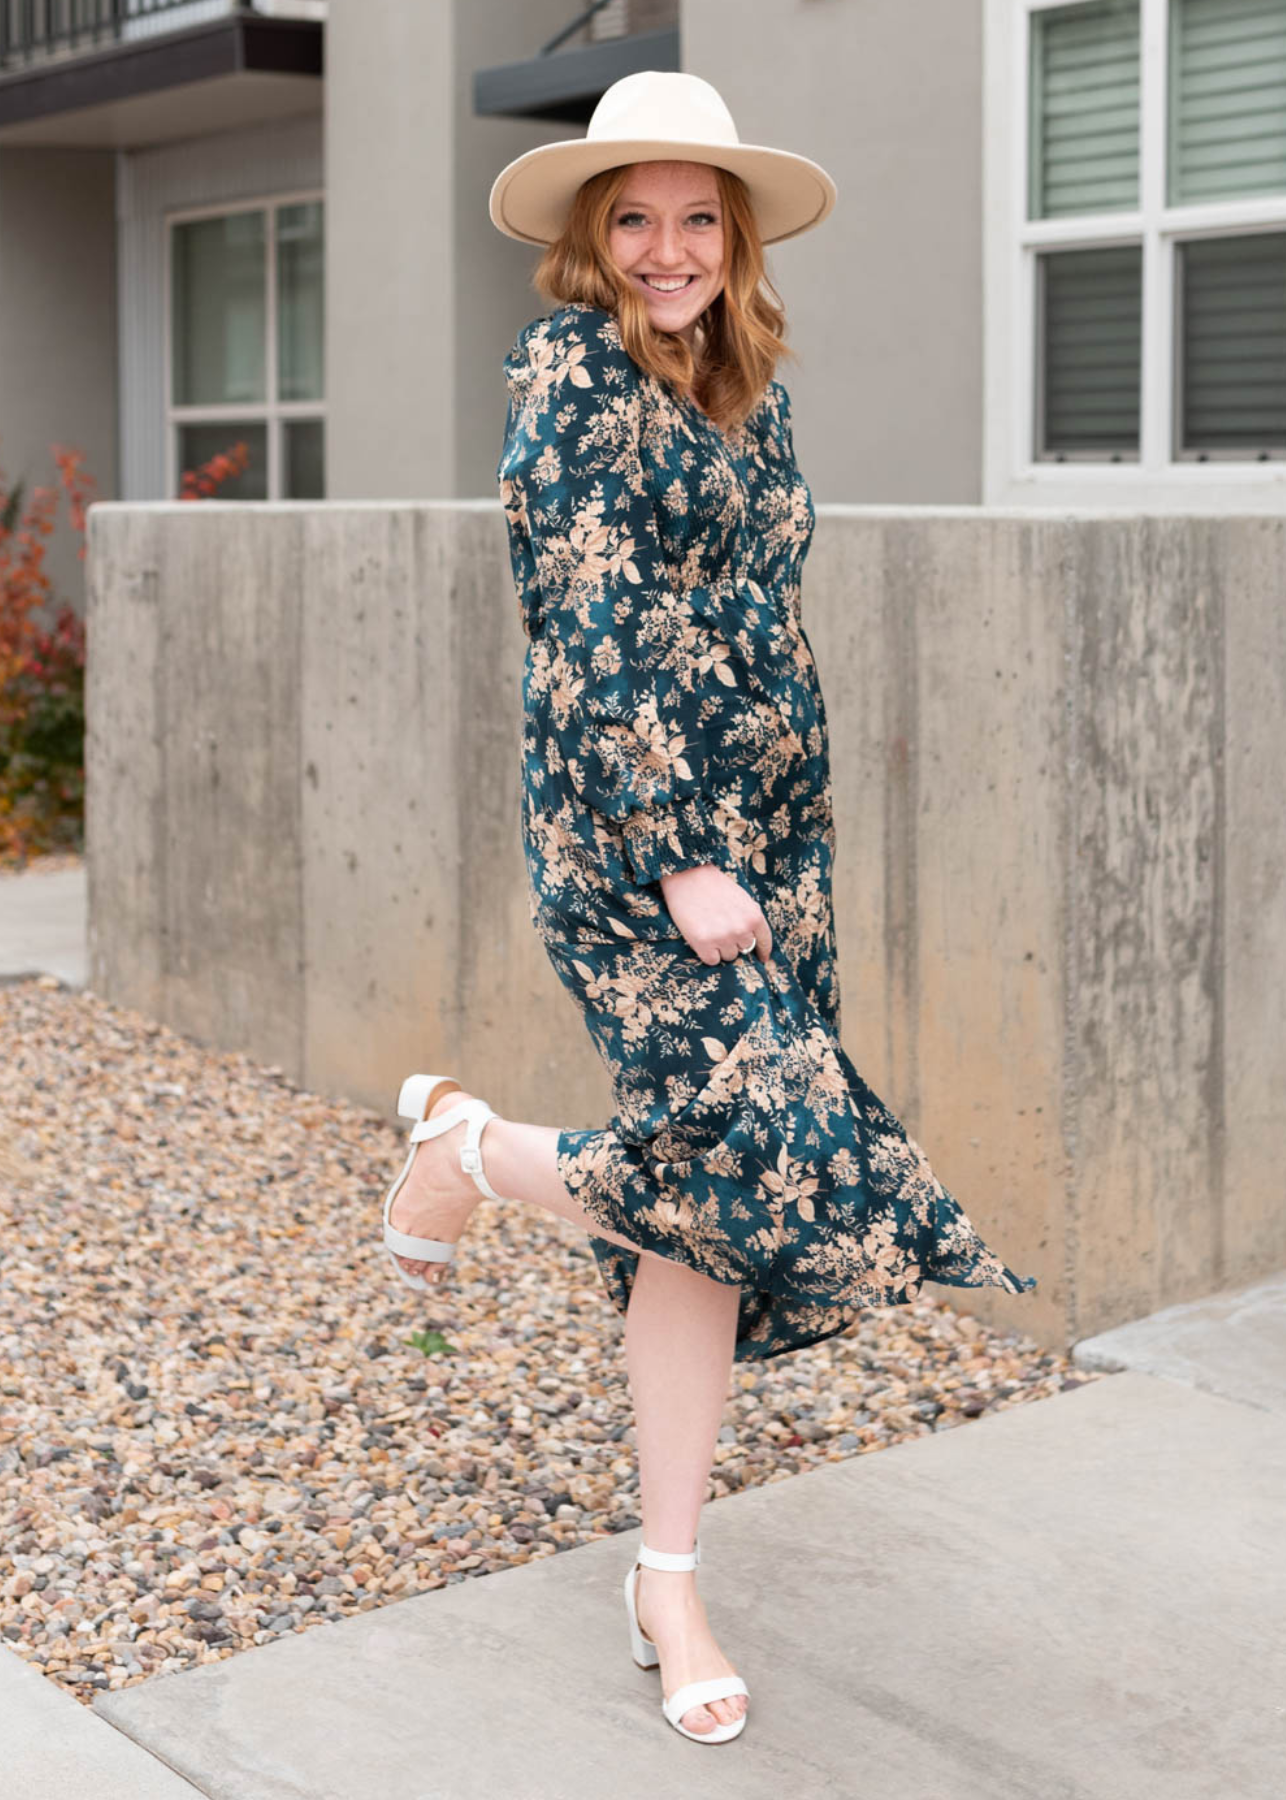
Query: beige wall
{"type": "Point", "coordinates": [494, 297]}
{"type": "Point", "coordinates": [1057, 746]}
{"type": "Point", "coordinates": [390, 368]}
{"type": "Point", "coordinates": [424, 295]}
{"type": "Point", "coordinates": [58, 330]}
{"type": "Point", "coordinates": [885, 296]}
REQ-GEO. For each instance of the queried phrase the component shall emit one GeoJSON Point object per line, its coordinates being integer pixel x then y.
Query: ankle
{"type": "Point", "coordinates": [677, 1587]}
{"type": "Point", "coordinates": [446, 1098]}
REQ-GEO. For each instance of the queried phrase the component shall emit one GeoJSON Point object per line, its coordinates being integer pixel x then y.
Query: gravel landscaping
{"type": "Point", "coordinates": [223, 1418]}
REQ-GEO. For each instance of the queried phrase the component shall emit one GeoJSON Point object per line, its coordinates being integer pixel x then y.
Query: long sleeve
{"type": "Point", "coordinates": [624, 681]}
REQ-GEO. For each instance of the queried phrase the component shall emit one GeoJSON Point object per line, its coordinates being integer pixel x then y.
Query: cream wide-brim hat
{"type": "Point", "coordinates": [658, 116]}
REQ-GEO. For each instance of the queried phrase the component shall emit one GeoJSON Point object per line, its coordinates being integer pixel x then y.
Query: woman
{"type": "Point", "coordinates": [752, 1193]}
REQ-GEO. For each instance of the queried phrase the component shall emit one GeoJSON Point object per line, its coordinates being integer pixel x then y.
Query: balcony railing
{"type": "Point", "coordinates": [39, 31]}
{"type": "Point", "coordinates": [563, 80]}
{"type": "Point", "coordinates": [604, 19]}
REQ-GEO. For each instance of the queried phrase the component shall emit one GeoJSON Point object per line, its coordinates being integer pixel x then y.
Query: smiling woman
{"type": "Point", "coordinates": [671, 248]}
{"type": "Point", "coordinates": [667, 235]}
{"type": "Point", "coordinates": [750, 1194]}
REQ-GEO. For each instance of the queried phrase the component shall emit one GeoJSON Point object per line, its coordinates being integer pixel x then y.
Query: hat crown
{"type": "Point", "coordinates": [655, 115]}
{"type": "Point", "coordinates": [661, 104]}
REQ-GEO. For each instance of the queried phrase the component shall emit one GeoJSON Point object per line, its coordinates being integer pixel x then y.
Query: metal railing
{"type": "Point", "coordinates": [631, 16]}
{"type": "Point", "coordinates": [35, 30]}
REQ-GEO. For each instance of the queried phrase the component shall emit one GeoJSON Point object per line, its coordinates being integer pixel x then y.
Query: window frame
{"type": "Point", "coordinates": [1161, 474]}
{"type": "Point", "coordinates": [270, 412]}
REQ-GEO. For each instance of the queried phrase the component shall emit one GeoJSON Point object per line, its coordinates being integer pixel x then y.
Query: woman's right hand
{"type": "Point", "coordinates": [715, 914]}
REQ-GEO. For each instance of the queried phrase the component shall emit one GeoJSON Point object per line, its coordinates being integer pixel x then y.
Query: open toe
{"type": "Point", "coordinates": [691, 1694]}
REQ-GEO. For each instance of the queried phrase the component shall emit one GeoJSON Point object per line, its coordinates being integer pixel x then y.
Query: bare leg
{"type": "Point", "coordinates": [680, 1332]}
{"type": "Point", "coordinates": [519, 1161]}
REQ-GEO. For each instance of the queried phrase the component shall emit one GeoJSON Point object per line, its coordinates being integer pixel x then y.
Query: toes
{"type": "Point", "coordinates": [699, 1718]}
{"type": "Point", "coordinates": [432, 1272]}
{"type": "Point", "coordinates": [727, 1712]}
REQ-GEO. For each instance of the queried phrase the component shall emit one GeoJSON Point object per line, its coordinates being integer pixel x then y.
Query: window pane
{"type": "Point", "coordinates": [1090, 336]}
{"type": "Point", "coordinates": [198, 443]}
{"type": "Point", "coordinates": [1233, 350]}
{"type": "Point", "coordinates": [1084, 126]}
{"type": "Point", "coordinates": [299, 301]}
{"type": "Point", "coordinates": [304, 469]}
{"type": "Point", "coordinates": [1227, 99]}
{"type": "Point", "coordinates": [217, 310]}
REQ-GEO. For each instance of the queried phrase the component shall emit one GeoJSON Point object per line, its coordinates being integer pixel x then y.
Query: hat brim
{"type": "Point", "coordinates": [531, 196]}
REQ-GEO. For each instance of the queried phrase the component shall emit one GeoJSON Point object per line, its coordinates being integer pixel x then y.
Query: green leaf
{"type": "Point", "coordinates": [430, 1342]}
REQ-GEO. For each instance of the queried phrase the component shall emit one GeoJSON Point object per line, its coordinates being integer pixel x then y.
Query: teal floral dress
{"type": "Point", "coordinates": [672, 716]}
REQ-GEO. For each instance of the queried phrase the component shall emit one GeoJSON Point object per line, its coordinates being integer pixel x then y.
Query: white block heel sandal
{"type": "Point", "coordinates": [647, 1656]}
{"type": "Point", "coordinates": [413, 1103]}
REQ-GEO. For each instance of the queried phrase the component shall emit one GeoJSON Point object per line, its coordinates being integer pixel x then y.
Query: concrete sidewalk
{"type": "Point", "coordinates": [1232, 1344]}
{"type": "Point", "coordinates": [43, 924]}
{"type": "Point", "coordinates": [56, 1749]}
{"type": "Point", "coordinates": [1075, 1599]}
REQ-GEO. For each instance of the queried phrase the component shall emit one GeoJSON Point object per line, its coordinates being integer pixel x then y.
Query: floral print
{"type": "Point", "coordinates": [672, 716]}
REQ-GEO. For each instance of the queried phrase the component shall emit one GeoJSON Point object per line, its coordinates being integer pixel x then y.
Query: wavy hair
{"type": "Point", "coordinates": [740, 334]}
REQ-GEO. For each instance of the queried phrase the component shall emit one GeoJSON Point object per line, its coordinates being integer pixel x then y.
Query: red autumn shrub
{"type": "Point", "coordinates": [42, 675]}
{"type": "Point", "coordinates": [200, 483]}
{"type": "Point", "coordinates": [42, 667]}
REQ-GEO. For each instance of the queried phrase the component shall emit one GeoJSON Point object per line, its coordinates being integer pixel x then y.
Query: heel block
{"type": "Point", "coordinates": [415, 1093]}
{"type": "Point", "coordinates": [642, 1649]}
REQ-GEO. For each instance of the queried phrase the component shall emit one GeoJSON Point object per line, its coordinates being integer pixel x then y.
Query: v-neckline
{"type": "Point", "coordinates": [709, 424]}
{"type": "Point", "coordinates": [717, 431]}
{"type": "Point", "coordinates": [743, 430]}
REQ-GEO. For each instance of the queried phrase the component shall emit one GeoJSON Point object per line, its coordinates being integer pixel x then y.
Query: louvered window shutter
{"type": "Point", "coordinates": [1084, 116]}
{"type": "Point", "coordinates": [1233, 297]}
{"type": "Point", "coordinates": [1227, 99]}
{"type": "Point", "coordinates": [1090, 338]}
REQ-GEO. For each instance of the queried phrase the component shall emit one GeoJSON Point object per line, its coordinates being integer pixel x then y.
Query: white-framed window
{"type": "Point", "coordinates": [1136, 251]}
{"type": "Point", "coordinates": [244, 351]}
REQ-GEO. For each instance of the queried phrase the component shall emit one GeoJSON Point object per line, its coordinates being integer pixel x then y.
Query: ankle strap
{"type": "Point", "coordinates": [670, 1559]}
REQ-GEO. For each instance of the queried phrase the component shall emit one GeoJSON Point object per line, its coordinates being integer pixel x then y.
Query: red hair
{"type": "Point", "coordinates": [742, 331]}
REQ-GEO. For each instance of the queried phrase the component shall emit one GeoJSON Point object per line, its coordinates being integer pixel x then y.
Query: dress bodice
{"type": "Point", "coordinates": [670, 694]}
{"type": "Point", "coordinates": [728, 506]}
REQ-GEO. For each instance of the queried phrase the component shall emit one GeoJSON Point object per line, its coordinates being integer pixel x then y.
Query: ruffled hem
{"type": "Point", "coordinates": [614, 1182]}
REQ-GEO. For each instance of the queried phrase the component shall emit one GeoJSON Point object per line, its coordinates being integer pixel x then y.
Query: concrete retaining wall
{"type": "Point", "coordinates": [1059, 745]}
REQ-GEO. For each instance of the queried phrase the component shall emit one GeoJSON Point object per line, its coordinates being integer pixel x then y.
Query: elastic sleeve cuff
{"type": "Point", "coordinates": [661, 840]}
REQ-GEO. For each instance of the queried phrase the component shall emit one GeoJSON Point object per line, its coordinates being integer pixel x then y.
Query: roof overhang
{"type": "Point", "coordinates": [239, 70]}
{"type": "Point", "coordinates": [567, 85]}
